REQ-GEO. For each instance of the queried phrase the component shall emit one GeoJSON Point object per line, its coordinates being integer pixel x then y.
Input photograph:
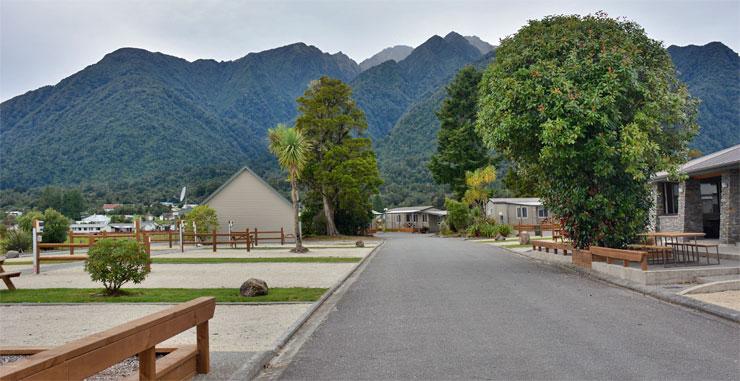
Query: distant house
{"type": "Point", "coordinates": [15, 213]}
{"type": "Point", "coordinates": [418, 218]}
{"type": "Point", "coordinates": [110, 207]}
{"type": "Point", "coordinates": [120, 227]}
{"type": "Point", "coordinates": [708, 201]}
{"type": "Point", "coordinates": [513, 211]}
{"type": "Point", "coordinates": [91, 224]}
{"type": "Point", "coordinates": [250, 202]}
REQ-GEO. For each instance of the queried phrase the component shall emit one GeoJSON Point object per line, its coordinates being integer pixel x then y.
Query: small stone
{"type": "Point", "coordinates": [12, 254]}
{"type": "Point", "coordinates": [524, 238]}
{"type": "Point", "coordinates": [499, 237]}
{"type": "Point", "coordinates": [253, 287]}
{"type": "Point", "coordinates": [360, 244]}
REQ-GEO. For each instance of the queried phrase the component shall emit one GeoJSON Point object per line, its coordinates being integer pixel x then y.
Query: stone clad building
{"type": "Point", "coordinates": [708, 201]}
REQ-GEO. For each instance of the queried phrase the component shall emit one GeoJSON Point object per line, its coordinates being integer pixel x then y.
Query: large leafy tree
{"type": "Point", "coordinates": [342, 169]}
{"type": "Point", "coordinates": [459, 147]}
{"type": "Point", "coordinates": [291, 148]}
{"type": "Point", "coordinates": [588, 108]}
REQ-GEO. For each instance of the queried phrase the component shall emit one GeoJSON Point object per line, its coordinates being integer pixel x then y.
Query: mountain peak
{"type": "Point", "coordinates": [394, 53]}
{"type": "Point", "coordinates": [483, 46]}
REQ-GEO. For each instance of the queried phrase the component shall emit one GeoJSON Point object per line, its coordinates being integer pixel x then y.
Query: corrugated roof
{"type": "Point", "coordinates": [408, 209]}
{"type": "Point", "coordinates": [239, 172]}
{"type": "Point", "coordinates": [726, 157]}
{"type": "Point", "coordinates": [525, 201]}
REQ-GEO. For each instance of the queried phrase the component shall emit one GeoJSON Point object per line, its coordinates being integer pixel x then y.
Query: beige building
{"type": "Point", "coordinates": [513, 211]}
{"type": "Point", "coordinates": [250, 202]}
{"type": "Point", "coordinates": [417, 218]}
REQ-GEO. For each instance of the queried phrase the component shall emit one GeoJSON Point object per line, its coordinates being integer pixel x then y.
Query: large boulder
{"type": "Point", "coordinates": [253, 287]}
{"type": "Point", "coordinates": [524, 238]}
{"type": "Point", "coordinates": [12, 254]}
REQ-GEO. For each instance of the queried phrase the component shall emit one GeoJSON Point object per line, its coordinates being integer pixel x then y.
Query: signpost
{"type": "Point", "coordinates": [36, 231]}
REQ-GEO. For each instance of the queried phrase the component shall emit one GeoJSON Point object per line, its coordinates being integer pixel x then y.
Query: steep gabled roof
{"type": "Point", "coordinates": [726, 157]}
{"type": "Point", "coordinates": [236, 175]}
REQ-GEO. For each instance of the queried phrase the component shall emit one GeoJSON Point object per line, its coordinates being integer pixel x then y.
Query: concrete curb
{"type": "Point", "coordinates": [253, 368]}
{"type": "Point", "coordinates": [659, 294]}
{"type": "Point", "coordinates": [719, 286]}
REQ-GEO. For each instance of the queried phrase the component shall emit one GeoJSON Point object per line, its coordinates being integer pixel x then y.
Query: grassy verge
{"type": "Point", "coordinates": [148, 295]}
{"type": "Point", "coordinates": [514, 246]}
{"type": "Point", "coordinates": [256, 260]}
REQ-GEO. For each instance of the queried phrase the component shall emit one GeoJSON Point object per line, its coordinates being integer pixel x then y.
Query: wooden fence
{"type": "Point", "coordinates": [85, 357]}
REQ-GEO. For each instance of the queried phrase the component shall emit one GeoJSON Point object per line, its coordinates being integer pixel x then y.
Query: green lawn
{"type": "Point", "coordinates": [144, 295]}
{"type": "Point", "coordinates": [156, 260]}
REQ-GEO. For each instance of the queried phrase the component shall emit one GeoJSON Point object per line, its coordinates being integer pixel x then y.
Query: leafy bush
{"type": "Point", "coordinates": [55, 224]}
{"type": "Point", "coordinates": [115, 262]}
{"type": "Point", "coordinates": [504, 230]}
{"type": "Point", "coordinates": [444, 229]}
{"type": "Point", "coordinates": [17, 240]}
{"type": "Point", "coordinates": [205, 219]}
{"type": "Point", "coordinates": [458, 215]}
{"type": "Point", "coordinates": [482, 228]}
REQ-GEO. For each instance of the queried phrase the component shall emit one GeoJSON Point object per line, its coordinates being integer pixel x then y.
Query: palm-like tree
{"type": "Point", "coordinates": [291, 148]}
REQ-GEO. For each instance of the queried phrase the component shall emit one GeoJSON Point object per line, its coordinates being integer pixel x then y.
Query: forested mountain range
{"type": "Point", "coordinates": [394, 53]}
{"type": "Point", "coordinates": [137, 125]}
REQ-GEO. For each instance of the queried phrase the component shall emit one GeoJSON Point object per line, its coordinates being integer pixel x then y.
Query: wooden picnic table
{"type": "Point", "coordinates": [671, 237]}
{"type": "Point", "coordinates": [5, 276]}
{"type": "Point", "coordinates": [681, 251]}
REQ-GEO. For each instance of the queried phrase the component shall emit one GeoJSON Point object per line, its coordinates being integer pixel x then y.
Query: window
{"type": "Point", "coordinates": [408, 218]}
{"type": "Point", "coordinates": [398, 218]}
{"type": "Point", "coordinates": [542, 212]}
{"type": "Point", "coordinates": [521, 212]}
{"type": "Point", "coordinates": [423, 218]}
{"type": "Point", "coordinates": [416, 216]}
{"type": "Point", "coordinates": [670, 198]}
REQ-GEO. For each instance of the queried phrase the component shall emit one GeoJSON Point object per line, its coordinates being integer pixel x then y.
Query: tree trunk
{"type": "Point", "coordinates": [331, 229]}
{"type": "Point", "coordinates": [296, 219]}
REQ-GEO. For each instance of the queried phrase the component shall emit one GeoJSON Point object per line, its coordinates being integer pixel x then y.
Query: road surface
{"type": "Point", "coordinates": [431, 308]}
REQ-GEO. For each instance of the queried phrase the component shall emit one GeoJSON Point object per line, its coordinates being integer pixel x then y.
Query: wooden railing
{"type": "Point", "coordinates": [87, 356]}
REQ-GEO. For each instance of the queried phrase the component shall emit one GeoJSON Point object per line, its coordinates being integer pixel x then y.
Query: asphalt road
{"type": "Point", "coordinates": [430, 308]}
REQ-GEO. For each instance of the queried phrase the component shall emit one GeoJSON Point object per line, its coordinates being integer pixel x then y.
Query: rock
{"type": "Point", "coordinates": [360, 244]}
{"type": "Point", "coordinates": [12, 254]}
{"type": "Point", "coordinates": [499, 237]}
{"type": "Point", "coordinates": [524, 238]}
{"type": "Point", "coordinates": [253, 287]}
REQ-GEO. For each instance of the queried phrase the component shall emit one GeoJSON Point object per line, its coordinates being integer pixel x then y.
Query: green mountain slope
{"type": "Point", "coordinates": [151, 118]}
{"type": "Point", "coordinates": [712, 73]}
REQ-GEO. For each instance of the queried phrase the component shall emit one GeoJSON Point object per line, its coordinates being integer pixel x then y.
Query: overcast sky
{"type": "Point", "coordinates": [44, 41]}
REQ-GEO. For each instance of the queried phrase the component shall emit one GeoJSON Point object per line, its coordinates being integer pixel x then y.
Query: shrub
{"type": "Point", "coordinates": [482, 228]}
{"type": "Point", "coordinates": [504, 230]}
{"type": "Point", "coordinates": [115, 262]}
{"type": "Point", "coordinates": [205, 219]}
{"type": "Point", "coordinates": [55, 224]}
{"type": "Point", "coordinates": [458, 215]}
{"type": "Point", "coordinates": [17, 240]}
{"type": "Point", "coordinates": [444, 229]}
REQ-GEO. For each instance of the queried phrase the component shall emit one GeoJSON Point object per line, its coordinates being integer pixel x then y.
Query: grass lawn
{"type": "Point", "coordinates": [144, 295]}
{"type": "Point", "coordinates": [156, 260]}
{"type": "Point", "coordinates": [514, 246]}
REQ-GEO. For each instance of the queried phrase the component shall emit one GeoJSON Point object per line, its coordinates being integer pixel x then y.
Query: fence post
{"type": "Point", "coordinates": [203, 358]}
{"type": "Point", "coordinates": [147, 364]}
{"type": "Point", "coordinates": [148, 247]}
{"type": "Point", "coordinates": [214, 240]}
{"type": "Point", "coordinates": [249, 241]}
{"type": "Point", "coordinates": [182, 244]}
{"type": "Point", "coordinates": [137, 228]}
{"type": "Point", "coordinates": [169, 236]}
{"type": "Point", "coordinates": [282, 236]}
{"type": "Point", "coordinates": [256, 239]}
{"type": "Point", "coordinates": [71, 235]}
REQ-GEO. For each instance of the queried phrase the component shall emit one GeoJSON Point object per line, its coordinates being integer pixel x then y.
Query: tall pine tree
{"type": "Point", "coordinates": [459, 148]}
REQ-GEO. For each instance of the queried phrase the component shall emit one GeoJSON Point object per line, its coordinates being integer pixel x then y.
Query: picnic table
{"type": "Point", "coordinates": [676, 247]}
{"type": "Point", "coordinates": [7, 275]}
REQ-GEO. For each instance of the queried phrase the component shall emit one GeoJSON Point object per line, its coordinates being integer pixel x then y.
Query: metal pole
{"type": "Point", "coordinates": [34, 235]}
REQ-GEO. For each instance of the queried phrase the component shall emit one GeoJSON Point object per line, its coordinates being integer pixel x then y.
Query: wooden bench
{"type": "Point", "coordinates": [6, 275]}
{"type": "Point", "coordinates": [654, 251]}
{"type": "Point", "coordinates": [85, 357]}
{"type": "Point", "coordinates": [565, 247]}
{"type": "Point", "coordinates": [625, 255]}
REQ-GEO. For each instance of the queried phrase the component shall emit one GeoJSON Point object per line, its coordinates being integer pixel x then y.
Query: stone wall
{"type": "Point", "coordinates": [666, 222]}
{"type": "Point", "coordinates": [689, 209]}
{"type": "Point", "coordinates": [729, 221]}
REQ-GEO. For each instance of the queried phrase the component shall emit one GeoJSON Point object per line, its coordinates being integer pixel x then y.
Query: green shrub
{"type": "Point", "coordinates": [482, 228]}
{"type": "Point", "coordinates": [115, 262]}
{"type": "Point", "coordinates": [458, 215]}
{"type": "Point", "coordinates": [55, 224]}
{"type": "Point", "coordinates": [444, 229]}
{"type": "Point", "coordinates": [504, 230]}
{"type": "Point", "coordinates": [17, 240]}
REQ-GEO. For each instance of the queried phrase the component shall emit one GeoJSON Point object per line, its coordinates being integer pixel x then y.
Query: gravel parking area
{"type": "Point", "coordinates": [237, 328]}
{"type": "Point", "coordinates": [230, 275]}
{"type": "Point", "coordinates": [729, 299]}
{"type": "Point", "coordinates": [269, 253]}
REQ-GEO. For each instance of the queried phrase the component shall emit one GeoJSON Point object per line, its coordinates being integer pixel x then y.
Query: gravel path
{"type": "Point", "coordinates": [430, 308]}
{"type": "Point", "coordinates": [729, 299]}
{"type": "Point", "coordinates": [233, 328]}
{"type": "Point", "coordinates": [282, 253]}
{"type": "Point", "coordinates": [201, 275]}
